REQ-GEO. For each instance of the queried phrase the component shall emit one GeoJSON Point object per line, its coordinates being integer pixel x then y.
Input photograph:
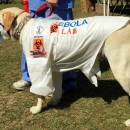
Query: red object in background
{"type": "Point", "coordinates": [25, 5]}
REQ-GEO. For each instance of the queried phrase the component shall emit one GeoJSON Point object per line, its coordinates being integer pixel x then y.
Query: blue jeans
{"type": "Point", "coordinates": [69, 78]}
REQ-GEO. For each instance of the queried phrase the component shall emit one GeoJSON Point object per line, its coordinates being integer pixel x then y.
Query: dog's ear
{"type": "Point", "coordinates": [8, 18]}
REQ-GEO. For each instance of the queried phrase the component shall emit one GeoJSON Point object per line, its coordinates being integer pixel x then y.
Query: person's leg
{"type": "Point", "coordinates": [25, 81]}
{"type": "Point", "coordinates": [69, 81]}
{"type": "Point", "coordinates": [69, 78]}
{"type": "Point", "coordinates": [24, 68]}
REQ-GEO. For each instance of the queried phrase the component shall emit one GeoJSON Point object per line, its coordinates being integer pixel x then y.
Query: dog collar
{"type": "Point", "coordinates": [17, 30]}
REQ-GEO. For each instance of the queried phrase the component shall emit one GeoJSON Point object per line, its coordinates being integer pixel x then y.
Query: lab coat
{"type": "Point", "coordinates": [74, 44]}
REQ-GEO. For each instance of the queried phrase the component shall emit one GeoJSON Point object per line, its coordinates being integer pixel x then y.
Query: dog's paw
{"type": "Point", "coordinates": [35, 109]}
{"type": "Point", "coordinates": [53, 102]}
{"type": "Point", "coordinates": [127, 122]}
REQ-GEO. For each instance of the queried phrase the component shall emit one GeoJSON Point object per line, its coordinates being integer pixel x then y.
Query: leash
{"type": "Point", "coordinates": [42, 7]}
{"type": "Point", "coordinates": [25, 5]}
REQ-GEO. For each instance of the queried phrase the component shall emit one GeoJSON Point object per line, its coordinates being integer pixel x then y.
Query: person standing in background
{"type": "Point", "coordinates": [63, 8]}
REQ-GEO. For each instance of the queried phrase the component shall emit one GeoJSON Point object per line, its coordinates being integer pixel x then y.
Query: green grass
{"type": "Point", "coordinates": [87, 108]}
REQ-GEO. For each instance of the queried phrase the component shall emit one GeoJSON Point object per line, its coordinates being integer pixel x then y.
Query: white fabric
{"type": "Point", "coordinates": [3, 34]}
{"type": "Point", "coordinates": [54, 17]}
{"type": "Point", "coordinates": [74, 46]}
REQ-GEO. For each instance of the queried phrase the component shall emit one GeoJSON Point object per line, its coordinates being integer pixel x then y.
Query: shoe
{"type": "Point", "coordinates": [20, 84]}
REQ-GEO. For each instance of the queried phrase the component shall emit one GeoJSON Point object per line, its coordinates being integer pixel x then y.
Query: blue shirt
{"type": "Point", "coordinates": [63, 4]}
{"type": "Point", "coordinates": [35, 4]}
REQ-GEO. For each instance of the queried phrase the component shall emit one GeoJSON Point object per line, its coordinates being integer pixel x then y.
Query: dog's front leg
{"type": "Point", "coordinates": [36, 109]}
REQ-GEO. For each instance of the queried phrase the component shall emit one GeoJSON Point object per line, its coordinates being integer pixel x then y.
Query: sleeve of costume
{"type": "Point", "coordinates": [41, 76]}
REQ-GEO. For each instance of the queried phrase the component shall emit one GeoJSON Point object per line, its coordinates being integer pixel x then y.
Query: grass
{"type": "Point", "coordinates": [86, 108]}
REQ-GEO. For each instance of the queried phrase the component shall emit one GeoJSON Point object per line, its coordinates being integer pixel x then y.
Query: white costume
{"type": "Point", "coordinates": [73, 45]}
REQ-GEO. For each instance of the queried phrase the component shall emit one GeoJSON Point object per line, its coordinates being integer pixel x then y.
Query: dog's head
{"type": "Point", "coordinates": [8, 15]}
{"type": "Point", "coordinates": [10, 18]}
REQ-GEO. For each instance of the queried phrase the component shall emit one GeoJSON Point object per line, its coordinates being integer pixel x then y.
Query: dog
{"type": "Point", "coordinates": [55, 46]}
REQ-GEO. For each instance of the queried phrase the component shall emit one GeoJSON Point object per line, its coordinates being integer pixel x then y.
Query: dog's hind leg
{"type": "Point", "coordinates": [121, 71]}
{"type": "Point", "coordinates": [117, 51]}
{"type": "Point", "coordinates": [120, 66]}
{"type": "Point", "coordinates": [57, 83]}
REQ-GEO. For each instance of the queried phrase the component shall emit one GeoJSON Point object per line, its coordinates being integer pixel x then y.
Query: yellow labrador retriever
{"type": "Point", "coordinates": [55, 46]}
